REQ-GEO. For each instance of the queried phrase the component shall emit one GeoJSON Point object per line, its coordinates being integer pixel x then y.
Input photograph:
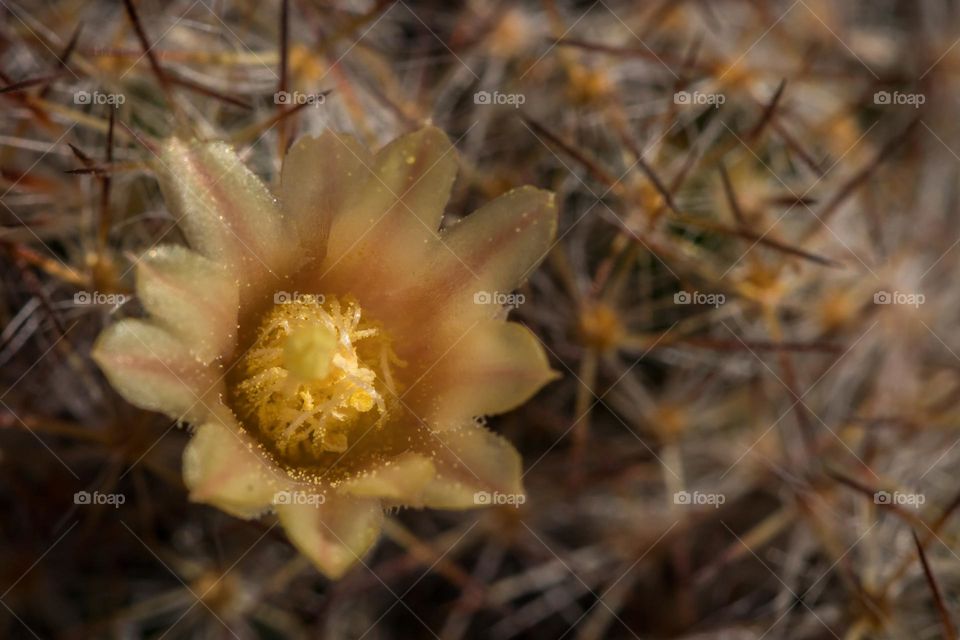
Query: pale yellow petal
{"type": "Point", "coordinates": [483, 257]}
{"type": "Point", "coordinates": [320, 174]}
{"type": "Point", "coordinates": [495, 367]}
{"type": "Point", "coordinates": [154, 370]}
{"type": "Point", "coordinates": [399, 210]}
{"type": "Point", "coordinates": [225, 210]}
{"type": "Point", "coordinates": [494, 249]}
{"type": "Point", "coordinates": [222, 469]}
{"type": "Point", "coordinates": [400, 480]}
{"type": "Point", "coordinates": [335, 534]}
{"type": "Point", "coordinates": [193, 297]}
{"type": "Point", "coordinates": [472, 462]}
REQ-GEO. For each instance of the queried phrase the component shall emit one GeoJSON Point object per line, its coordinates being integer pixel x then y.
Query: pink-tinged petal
{"type": "Point", "coordinates": [497, 247]}
{"type": "Point", "coordinates": [480, 259]}
{"type": "Point", "coordinates": [397, 214]}
{"type": "Point", "coordinates": [399, 479]}
{"type": "Point", "coordinates": [495, 367]}
{"type": "Point", "coordinates": [319, 175]}
{"type": "Point", "coordinates": [226, 212]}
{"type": "Point", "coordinates": [471, 461]}
{"type": "Point", "coordinates": [152, 369]}
{"type": "Point", "coordinates": [221, 468]}
{"type": "Point", "coordinates": [334, 534]}
{"type": "Point", "coordinates": [193, 297]}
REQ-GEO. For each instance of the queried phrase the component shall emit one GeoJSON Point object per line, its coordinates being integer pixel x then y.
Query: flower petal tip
{"type": "Point", "coordinates": [151, 368]}
{"type": "Point", "coordinates": [221, 469]}
{"type": "Point", "coordinates": [334, 535]}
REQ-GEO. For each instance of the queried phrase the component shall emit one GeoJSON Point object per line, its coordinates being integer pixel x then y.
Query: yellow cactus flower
{"type": "Point", "coordinates": [332, 346]}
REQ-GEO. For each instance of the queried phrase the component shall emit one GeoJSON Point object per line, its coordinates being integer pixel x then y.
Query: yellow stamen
{"type": "Point", "coordinates": [316, 376]}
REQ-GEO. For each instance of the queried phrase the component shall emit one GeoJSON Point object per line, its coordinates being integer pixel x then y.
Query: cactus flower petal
{"type": "Point", "coordinates": [397, 214]}
{"type": "Point", "coordinates": [493, 368]}
{"type": "Point", "coordinates": [152, 369]}
{"type": "Point", "coordinates": [226, 212]}
{"type": "Point", "coordinates": [401, 479]}
{"type": "Point", "coordinates": [221, 469]}
{"type": "Point", "coordinates": [319, 176]}
{"type": "Point", "coordinates": [335, 534]}
{"type": "Point", "coordinates": [195, 298]}
{"type": "Point", "coordinates": [472, 460]}
{"type": "Point", "coordinates": [496, 248]}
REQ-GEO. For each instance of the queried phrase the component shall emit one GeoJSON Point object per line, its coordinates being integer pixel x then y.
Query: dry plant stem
{"type": "Point", "coordinates": [252, 132]}
{"type": "Point", "coordinates": [770, 315]}
{"type": "Point", "coordinates": [103, 230]}
{"type": "Point", "coordinates": [282, 84]}
{"type": "Point", "coordinates": [930, 533]}
{"type": "Point", "coordinates": [51, 266]}
{"type": "Point", "coordinates": [159, 74]}
{"type": "Point", "coordinates": [428, 556]}
{"type": "Point", "coordinates": [585, 395]}
{"type": "Point", "coordinates": [949, 630]}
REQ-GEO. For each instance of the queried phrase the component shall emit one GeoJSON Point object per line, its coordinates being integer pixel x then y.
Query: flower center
{"type": "Point", "coordinates": [317, 377]}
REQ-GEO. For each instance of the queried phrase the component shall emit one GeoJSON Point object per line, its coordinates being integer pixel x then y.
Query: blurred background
{"type": "Point", "coordinates": [753, 302]}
